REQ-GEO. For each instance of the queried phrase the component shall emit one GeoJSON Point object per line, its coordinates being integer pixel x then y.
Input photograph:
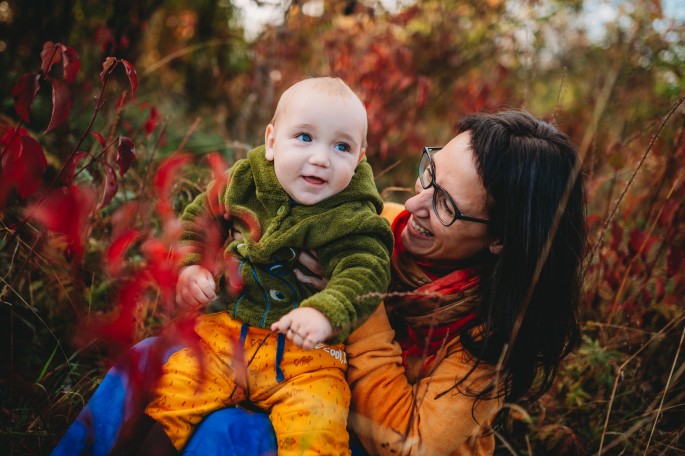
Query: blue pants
{"type": "Point", "coordinates": [226, 432]}
{"type": "Point", "coordinates": [230, 431]}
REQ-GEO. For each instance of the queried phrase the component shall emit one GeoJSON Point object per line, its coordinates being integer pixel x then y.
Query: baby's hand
{"type": "Point", "coordinates": [305, 326]}
{"type": "Point", "coordinates": [195, 287]}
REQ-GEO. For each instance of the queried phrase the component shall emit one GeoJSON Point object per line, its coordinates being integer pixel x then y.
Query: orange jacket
{"type": "Point", "coordinates": [395, 411]}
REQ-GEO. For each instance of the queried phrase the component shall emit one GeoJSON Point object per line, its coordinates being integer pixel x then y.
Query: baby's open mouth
{"type": "Point", "coordinates": [314, 180]}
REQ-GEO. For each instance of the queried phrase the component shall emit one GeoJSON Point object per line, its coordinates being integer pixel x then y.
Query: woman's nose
{"type": "Point", "coordinates": [420, 203]}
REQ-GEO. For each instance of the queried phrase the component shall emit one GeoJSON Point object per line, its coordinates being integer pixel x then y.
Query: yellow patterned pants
{"type": "Point", "coordinates": [304, 390]}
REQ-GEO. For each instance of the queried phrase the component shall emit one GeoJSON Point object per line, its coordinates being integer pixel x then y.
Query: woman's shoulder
{"type": "Point", "coordinates": [391, 211]}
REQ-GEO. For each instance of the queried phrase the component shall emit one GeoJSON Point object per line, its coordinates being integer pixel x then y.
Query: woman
{"type": "Point", "coordinates": [483, 301]}
{"type": "Point", "coordinates": [488, 239]}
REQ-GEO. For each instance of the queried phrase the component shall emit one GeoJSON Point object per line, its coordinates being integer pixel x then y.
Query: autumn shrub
{"type": "Point", "coordinates": [88, 250]}
{"type": "Point", "coordinates": [621, 391]}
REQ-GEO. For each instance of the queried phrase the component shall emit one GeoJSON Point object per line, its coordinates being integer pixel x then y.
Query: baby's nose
{"type": "Point", "coordinates": [319, 157]}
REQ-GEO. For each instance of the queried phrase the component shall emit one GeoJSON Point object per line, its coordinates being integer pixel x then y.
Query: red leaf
{"type": "Point", "coordinates": [24, 92]}
{"type": "Point", "coordinates": [211, 244]}
{"type": "Point", "coordinates": [616, 236]}
{"type": "Point", "coordinates": [111, 186]}
{"type": "Point", "coordinates": [674, 258]}
{"type": "Point", "coordinates": [163, 265]}
{"type": "Point", "coordinates": [164, 179]}
{"type": "Point", "coordinates": [639, 242]}
{"type": "Point", "coordinates": [132, 75]}
{"type": "Point", "coordinates": [124, 218]}
{"type": "Point", "coordinates": [218, 185]}
{"type": "Point", "coordinates": [51, 54]}
{"type": "Point", "coordinates": [107, 65]}
{"type": "Point", "coordinates": [669, 212]}
{"type": "Point", "coordinates": [23, 164]}
{"type": "Point", "coordinates": [151, 122]}
{"type": "Point", "coordinates": [104, 37]}
{"type": "Point", "coordinates": [166, 173]}
{"type": "Point", "coordinates": [126, 153]}
{"type": "Point", "coordinates": [71, 64]}
{"type": "Point", "coordinates": [61, 104]}
{"type": "Point", "coordinates": [120, 328]}
{"type": "Point", "coordinates": [217, 164]}
{"type": "Point", "coordinates": [234, 281]}
{"type": "Point", "coordinates": [659, 288]}
{"type": "Point", "coordinates": [100, 139]}
{"type": "Point", "coordinates": [68, 176]}
{"type": "Point", "coordinates": [422, 89]}
{"type": "Point", "coordinates": [65, 212]}
{"type": "Point", "coordinates": [117, 250]}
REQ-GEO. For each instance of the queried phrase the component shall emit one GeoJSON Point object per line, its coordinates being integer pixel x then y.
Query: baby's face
{"type": "Point", "coordinates": [316, 144]}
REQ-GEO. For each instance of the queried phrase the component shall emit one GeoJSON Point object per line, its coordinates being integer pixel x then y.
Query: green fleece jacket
{"type": "Point", "coordinates": [352, 241]}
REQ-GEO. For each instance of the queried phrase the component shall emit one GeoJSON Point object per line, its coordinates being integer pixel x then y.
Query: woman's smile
{"type": "Point", "coordinates": [420, 230]}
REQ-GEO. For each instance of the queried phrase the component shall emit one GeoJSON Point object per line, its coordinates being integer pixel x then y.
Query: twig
{"type": "Point", "coordinates": [561, 87]}
{"type": "Point", "coordinates": [391, 189]}
{"type": "Point", "coordinates": [619, 372]}
{"type": "Point", "coordinates": [505, 443]}
{"type": "Point", "coordinates": [189, 133]}
{"type": "Point", "coordinates": [33, 310]}
{"type": "Point", "coordinates": [623, 436]}
{"type": "Point", "coordinates": [609, 219]}
{"type": "Point", "coordinates": [636, 256]}
{"type": "Point", "coordinates": [668, 383]}
{"type": "Point", "coordinates": [181, 52]}
{"type": "Point", "coordinates": [386, 170]}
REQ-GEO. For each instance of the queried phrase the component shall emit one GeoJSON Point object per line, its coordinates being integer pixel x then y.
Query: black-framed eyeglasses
{"type": "Point", "coordinates": [443, 204]}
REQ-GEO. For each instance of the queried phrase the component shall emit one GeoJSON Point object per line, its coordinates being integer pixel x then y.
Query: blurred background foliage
{"type": "Point", "coordinates": [609, 73]}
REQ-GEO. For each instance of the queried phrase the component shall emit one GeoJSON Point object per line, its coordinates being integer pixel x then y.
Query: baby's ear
{"type": "Point", "coordinates": [269, 139]}
{"type": "Point", "coordinates": [362, 153]}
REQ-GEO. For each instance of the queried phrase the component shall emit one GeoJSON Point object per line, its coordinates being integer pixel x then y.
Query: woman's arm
{"type": "Point", "coordinates": [392, 416]}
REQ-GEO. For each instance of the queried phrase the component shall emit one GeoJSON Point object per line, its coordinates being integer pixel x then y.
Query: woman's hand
{"type": "Point", "coordinates": [309, 260]}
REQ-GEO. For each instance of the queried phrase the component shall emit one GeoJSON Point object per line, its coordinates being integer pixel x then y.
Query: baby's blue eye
{"type": "Point", "coordinates": [342, 147]}
{"type": "Point", "coordinates": [304, 137]}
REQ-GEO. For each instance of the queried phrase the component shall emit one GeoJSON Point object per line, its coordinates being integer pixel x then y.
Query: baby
{"type": "Point", "coordinates": [308, 188]}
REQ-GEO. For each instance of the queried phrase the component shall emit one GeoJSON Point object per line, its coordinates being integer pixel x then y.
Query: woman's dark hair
{"type": "Point", "coordinates": [536, 208]}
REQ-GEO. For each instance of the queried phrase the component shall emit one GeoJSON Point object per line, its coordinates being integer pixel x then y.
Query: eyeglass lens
{"type": "Point", "coordinates": [425, 171]}
{"type": "Point", "coordinates": [443, 205]}
{"type": "Point", "coordinates": [441, 201]}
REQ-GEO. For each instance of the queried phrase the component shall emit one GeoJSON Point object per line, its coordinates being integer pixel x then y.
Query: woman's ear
{"type": "Point", "coordinates": [496, 247]}
{"type": "Point", "coordinates": [269, 142]}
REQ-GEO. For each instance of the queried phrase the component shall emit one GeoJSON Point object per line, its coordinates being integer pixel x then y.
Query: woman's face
{"type": "Point", "coordinates": [425, 236]}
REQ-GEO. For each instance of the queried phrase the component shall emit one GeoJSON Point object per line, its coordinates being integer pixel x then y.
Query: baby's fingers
{"type": "Point", "coordinates": [207, 286]}
{"type": "Point", "coordinates": [282, 325]}
{"type": "Point", "coordinates": [190, 298]}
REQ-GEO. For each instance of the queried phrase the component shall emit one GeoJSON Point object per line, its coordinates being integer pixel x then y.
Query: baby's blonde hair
{"type": "Point", "coordinates": [327, 85]}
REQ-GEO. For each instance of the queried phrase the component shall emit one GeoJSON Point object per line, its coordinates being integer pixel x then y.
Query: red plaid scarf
{"type": "Point", "coordinates": [435, 301]}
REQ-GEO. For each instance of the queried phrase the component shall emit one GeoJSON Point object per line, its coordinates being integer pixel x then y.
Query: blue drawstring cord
{"type": "Point", "coordinates": [280, 347]}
